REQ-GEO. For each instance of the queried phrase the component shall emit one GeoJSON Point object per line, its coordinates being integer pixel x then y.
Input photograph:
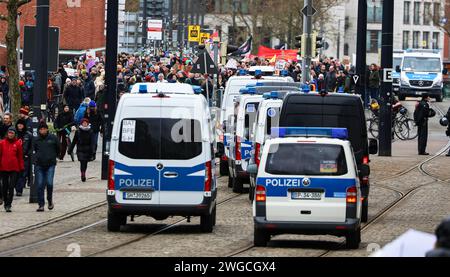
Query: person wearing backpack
{"type": "Point", "coordinates": [79, 114]}
{"type": "Point", "coordinates": [85, 148]}
{"type": "Point", "coordinates": [421, 115]}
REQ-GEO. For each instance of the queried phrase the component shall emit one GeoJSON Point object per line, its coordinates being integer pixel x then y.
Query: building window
{"type": "Point", "coordinates": [427, 13]}
{"type": "Point", "coordinates": [406, 12]}
{"type": "Point", "coordinates": [416, 36]}
{"type": "Point", "coordinates": [373, 41]}
{"type": "Point", "coordinates": [435, 42]}
{"type": "Point", "coordinates": [405, 39]}
{"type": "Point", "coordinates": [426, 40]}
{"type": "Point", "coordinates": [436, 11]}
{"type": "Point", "coordinates": [417, 13]}
{"type": "Point", "coordinates": [374, 12]}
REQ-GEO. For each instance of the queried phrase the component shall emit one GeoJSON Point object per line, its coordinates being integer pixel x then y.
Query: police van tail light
{"type": "Point", "coordinates": [238, 149]}
{"type": "Point", "coordinates": [260, 194]}
{"type": "Point", "coordinates": [366, 160]}
{"type": "Point", "coordinates": [257, 152]}
{"type": "Point", "coordinates": [111, 183]}
{"type": "Point", "coordinates": [352, 195]}
{"type": "Point", "coordinates": [208, 177]}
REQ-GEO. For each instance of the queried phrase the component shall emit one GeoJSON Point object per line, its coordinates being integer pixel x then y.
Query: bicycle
{"type": "Point", "coordinates": [403, 127]}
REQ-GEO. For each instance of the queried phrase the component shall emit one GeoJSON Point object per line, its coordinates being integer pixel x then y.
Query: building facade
{"type": "Point", "coordinates": [81, 24]}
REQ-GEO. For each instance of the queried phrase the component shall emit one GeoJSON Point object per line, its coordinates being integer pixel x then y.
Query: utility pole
{"type": "Point", "coordinates": [361, 45]}
{"type": "Point", "coordinates": [307, 30]}
{"type": "Point", "coordinates": [40, 83]}
{"type": "Point", "coordinates": [111, 80]}
{"type": "Point", "coordinates": [180, 24]}
{"type": "Point", "coordinates": [387, 38]}
{"type": "Point", "coordinates": [145, 24]}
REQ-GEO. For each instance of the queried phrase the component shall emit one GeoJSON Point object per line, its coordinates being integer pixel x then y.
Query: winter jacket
{"type": "Point", "coordinates": [27, 142]}
{"type": "Point", "coordinates": [89, 88]}
{"type": "Point", "coordinates": [84, 143]}
{"type": "Point", "coordinates": [73, 96]}
{"type": "Point", "coordinates": [11, 155]}
{"type": "Point", "coordinates": [330, 81]}
{"type": "Point", "coordinates": [374, 79]}
{"type": "Point", "coordinates": [96, 121]}
{"type": "Point", "coordinates": [3, 130]}
{"type": "Point", "coordinates": [46, 149]}
{"type": "Point", "coordinates": [64, 119]}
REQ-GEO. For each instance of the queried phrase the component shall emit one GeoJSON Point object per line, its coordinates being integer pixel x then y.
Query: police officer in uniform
{"type": "Point", "coordinates": [421, 115]}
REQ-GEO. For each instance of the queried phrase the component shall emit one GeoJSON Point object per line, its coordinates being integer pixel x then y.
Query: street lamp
{"type": "Point", "coordinates": [235, 9]}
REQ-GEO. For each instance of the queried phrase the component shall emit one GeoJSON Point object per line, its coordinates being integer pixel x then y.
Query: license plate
{"type": "Point", "coordinates": [420, 92]}
{"type": "Point", "coordinates": [137, 195]}
{"type": "Point", "coordinates": [306, 195]}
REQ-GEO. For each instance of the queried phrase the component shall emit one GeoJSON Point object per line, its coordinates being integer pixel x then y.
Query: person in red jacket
{"type": "Point", "coordinates": [11, 163]}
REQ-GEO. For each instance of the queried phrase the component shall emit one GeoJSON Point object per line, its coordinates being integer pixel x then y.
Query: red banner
{"type": "Point", "coordinates": [269, 53]}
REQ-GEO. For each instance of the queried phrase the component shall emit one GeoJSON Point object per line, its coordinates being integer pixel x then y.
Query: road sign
{"type": "Point", "coordinates": [29, 44]}
{"type": "Point", "coordinates": [356, 79]}
{"type": "Point", "coordinates": [387, 75]}
{"type": "Point", "coordinates": [204, 37]}
{"type": "Point", "coordinates": [204, 64]}
{"type": "Point", "coordinates": [309, 12]}
{"type": "Point", "coordinates": [194, 33]}
{"type": "Point", "coordinates": [154, 29]}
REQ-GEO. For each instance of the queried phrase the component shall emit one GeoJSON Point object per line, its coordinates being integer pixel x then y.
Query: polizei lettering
{"type": "Point", "coordinates": [283, 182]}
{"type": "Point", "coordinates": [136, 183]}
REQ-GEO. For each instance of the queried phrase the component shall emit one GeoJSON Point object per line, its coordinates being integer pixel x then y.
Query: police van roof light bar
{"type": "Point", "coordinates": [273, 95]}
{"type": "Point", "coordinates": [282, 132]}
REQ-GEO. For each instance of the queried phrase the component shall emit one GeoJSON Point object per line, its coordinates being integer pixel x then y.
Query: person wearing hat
{"type": "Point", "coordinates": [26, 137]}
{"type": "Point", "coordinates": [96, 121]}
{"type": "Point", "coordinates": [421, 115]}
{"type": "Point", "coordinates": [4, 88]}
{"type": "Point", "coordinates": [11, 163]}
{"type": "Point", "coordinates": [46, 149]}
{"type": "Point", "coordinates": [24, 114]}
{"type": "Point", "coordinates": [73, 95]}
{"type": "Point", "coordinates": [442, 246]}
{"type": "Point", "coordinates": [83, 140]}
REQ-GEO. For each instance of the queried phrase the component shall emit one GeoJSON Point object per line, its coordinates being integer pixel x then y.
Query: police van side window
{"type": "Point", "coordinates": [251, 111]}
{"type": "Point", "coordinates": [306, 159]}
{"type": "Point", "coordinates": [162, 139]}
{"type": "Point", "coordinates": [272, 119]}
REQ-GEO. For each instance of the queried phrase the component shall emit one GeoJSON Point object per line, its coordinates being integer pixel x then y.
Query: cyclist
{"type": "Point", "coordinates": [63, 125]}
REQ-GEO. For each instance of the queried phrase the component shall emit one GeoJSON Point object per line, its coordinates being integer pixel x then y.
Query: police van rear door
{"type": "Point", "coordinates": [136, 172]}
{"type": "Point", "coordinates": [183, 156]}
{"type": "Point", "coordinates": [306, 182]}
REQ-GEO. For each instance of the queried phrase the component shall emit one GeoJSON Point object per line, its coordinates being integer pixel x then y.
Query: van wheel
{"type": "Point", "coordinates": [238, 185]}
{"type": "Point", "coordinates": [224, 171]}
{"type": "Point", "coordinates": [260, 238]}
{"type": "Point", "coordinates": [115, 221]}
{"type": "Point", "coordinates": [439, 99]}
{"type": "Point", "coordinates": [207, 221]}
{"type": "Point", "coordinates": [230, 181]}
{"type": "Point", "coordinates": [353, 239]}
{"type": "Point", "coordinates": [365, 210]}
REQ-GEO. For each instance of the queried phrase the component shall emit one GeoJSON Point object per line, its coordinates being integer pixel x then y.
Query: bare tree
{"type": "Point", "coordinates": [443, 22]}
{"type": "Point", "coordinates": [11, 37]}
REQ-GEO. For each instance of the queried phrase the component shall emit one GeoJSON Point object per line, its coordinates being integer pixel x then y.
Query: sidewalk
{"type": "Point", "coordinates": [69, 194]}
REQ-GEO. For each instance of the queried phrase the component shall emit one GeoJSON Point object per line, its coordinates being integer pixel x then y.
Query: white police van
{"type": "Point", "coordinates": [161, 158]}
{"type": "Point", "coordinates": [268, 116]}
{"type": "Point", "coordinates": [233, 86]}
{"type": "Point", "coordinates": [241, 144]}
{"type": "Point", "coordinates": [307, 183]}
{"type": "Point", "coordinates": [421, 72]}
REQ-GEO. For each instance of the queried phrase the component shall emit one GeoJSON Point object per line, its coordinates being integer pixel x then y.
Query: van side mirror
{"type": "Point", "coordinates": [252, 169]}
{"type": "Point", "coordinates": [373, 146]}
{"type": "Point", "coordinates": [364, 170]}
{"type": "Point", "coordinates": [397, 69]}
{"type": "Point", "coordinates": [445, 71]}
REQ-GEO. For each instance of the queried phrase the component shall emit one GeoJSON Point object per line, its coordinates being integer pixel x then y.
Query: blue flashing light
{"type": "Point", "coordinates": [143, 89]}
{"type": "Point", "coordinates": [306, 88]}
{"type": "Point", "coordinates": [197, 89]}
{"type": "Point", "coordinates": [341, 90]}
{"type": "Point", "coordinates": [258, 72]}
{"type": "Point", "coordinates": [284, 73]}
{"type": "Point", "coordinates": [272, 95]}
{"type": "Point", "coordinates": [282, 132]}
{"type": "Point", "coordinates": [248, 90]}
{"type": "Point", "coordinates": [242, 72]}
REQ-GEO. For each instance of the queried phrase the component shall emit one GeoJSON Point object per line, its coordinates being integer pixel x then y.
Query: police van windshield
{"type": "Point", "coordinates": [160, 139]}
{"type": "Point", "coordinates": [306, 159]}
{"type": "Point", "coordinates": [422, 64]}
{"type": "Point", "coordinates": [397, 62]}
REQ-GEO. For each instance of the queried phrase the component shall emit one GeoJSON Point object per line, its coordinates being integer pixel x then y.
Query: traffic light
{"type": "Point", "coordinates": [156, 9]}
{"type": "Point", "coordinates": [317, 44]}
{"type": "Point", "coordinates": [301, 44]}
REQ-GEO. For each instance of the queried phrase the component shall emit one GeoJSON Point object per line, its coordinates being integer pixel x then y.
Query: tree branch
{"type": "Point", "coordinates": [23, 2]}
